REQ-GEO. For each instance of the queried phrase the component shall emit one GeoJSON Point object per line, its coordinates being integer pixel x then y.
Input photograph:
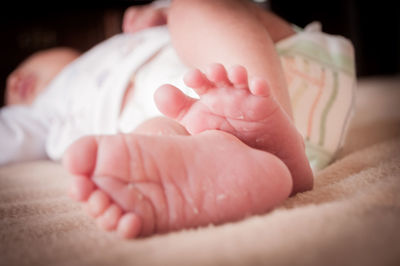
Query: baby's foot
{"type": "Point", "coordinates": [228, 102]}
{"type": "Point", "coordinates": [144, 184]}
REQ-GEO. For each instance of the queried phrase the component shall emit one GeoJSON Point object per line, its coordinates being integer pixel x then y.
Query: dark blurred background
{"type": "Point", "coordinates": [26, 27]}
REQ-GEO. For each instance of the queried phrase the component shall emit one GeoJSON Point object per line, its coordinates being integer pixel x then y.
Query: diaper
{"type": "Point", "coordinates": [320, 72]}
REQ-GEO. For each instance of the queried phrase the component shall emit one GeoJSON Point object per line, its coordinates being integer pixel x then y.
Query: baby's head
{"type": "Point", "coordinates": [34, 74]}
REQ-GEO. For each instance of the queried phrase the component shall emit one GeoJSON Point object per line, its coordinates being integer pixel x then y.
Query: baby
{"type": "Point", "coordinates": [229, 152]}
{"type": "Point", "coordinates": [33, 75]}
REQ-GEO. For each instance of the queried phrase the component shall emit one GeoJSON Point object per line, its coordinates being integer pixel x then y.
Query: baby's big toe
{"type": "Point", "coordinates": [80, 157]}
{"type": "Point", "coordinates": [172, 102]}
{"type": "Point", "coordinates": [80, 188]}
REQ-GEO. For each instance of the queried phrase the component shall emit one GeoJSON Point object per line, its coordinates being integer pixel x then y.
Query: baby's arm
{"type": "Point", "coordinates": [22, 134]}
{"type": "Point", "coordinates": [231, 32]}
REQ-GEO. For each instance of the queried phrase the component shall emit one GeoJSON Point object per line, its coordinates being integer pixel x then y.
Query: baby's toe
{"type": "Point", "coordinates": [238, 76]}
{"type": "Point", "coordinates": [172, 102]}
{"type": "Point", "coordinates": [109, 219]}
{"type": "Point", "coordinates": [129, 226]}
{"type": "Point", "coordinates": [80, 157]}
{"type": "Point", "coordinates": [217, 74]}
{"type": "Point", "coordinates": [196, 80]}
{"type": "Point", "coordinates": [97, 203]}
{"type": "Point", "coordinates": [81, 187]}
{"type": "Point", "coordinates": [259, 87]}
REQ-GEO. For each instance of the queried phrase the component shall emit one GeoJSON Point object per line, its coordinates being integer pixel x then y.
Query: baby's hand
{"type": "Point", "coordinates": [143, 17]}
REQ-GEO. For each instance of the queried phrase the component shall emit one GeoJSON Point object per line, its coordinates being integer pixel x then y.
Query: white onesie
{"type": "Point", "coordinates": [86, 97]}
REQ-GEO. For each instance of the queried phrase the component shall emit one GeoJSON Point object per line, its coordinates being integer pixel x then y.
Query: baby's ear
{"type": "Point", "coordinates": [20, 88]}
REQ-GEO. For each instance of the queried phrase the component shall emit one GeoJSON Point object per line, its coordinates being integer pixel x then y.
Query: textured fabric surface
{"type": "Point", "coordinates": [351, 217]}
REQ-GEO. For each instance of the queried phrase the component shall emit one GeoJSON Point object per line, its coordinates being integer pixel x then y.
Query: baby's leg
{"type": "Point", "coordinates": [235, 32]}
{"type": "Point", "coordinates": [231, 32]}
{"type": "Point", "coordinates": [249, 112]}
{"type": "Point", "coordinates": [141, 184]}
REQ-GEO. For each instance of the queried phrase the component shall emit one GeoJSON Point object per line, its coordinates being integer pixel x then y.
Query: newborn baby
{"type": "Point", "coordinates": [32, 76]}
{"type": "Point", "coordinates": [226, 147]}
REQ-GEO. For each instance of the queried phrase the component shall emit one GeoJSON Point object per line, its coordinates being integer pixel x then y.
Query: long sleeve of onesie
{"type": "Point", "coordinates": [23, 131]}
